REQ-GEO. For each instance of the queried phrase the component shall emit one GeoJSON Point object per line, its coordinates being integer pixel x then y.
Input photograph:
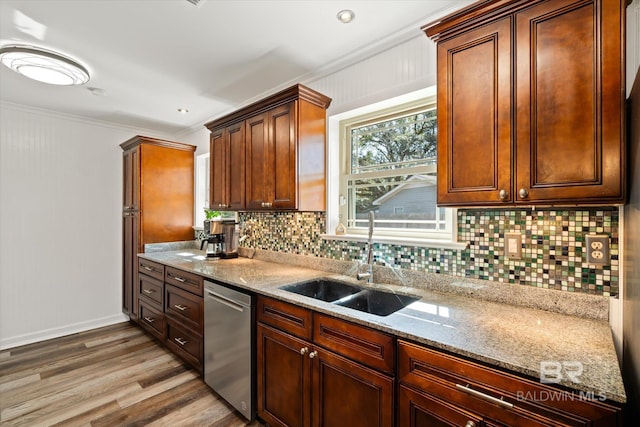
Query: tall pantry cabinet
{"type": "Point", "coordinates": [157, 203]}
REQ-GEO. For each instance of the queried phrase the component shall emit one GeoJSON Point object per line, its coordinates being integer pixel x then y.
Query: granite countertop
{"type": "Point", "coordinates": [512, 337]}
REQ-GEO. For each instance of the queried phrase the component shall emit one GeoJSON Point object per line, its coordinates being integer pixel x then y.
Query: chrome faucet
{"type": "Point", "coordinates": [369, 274]}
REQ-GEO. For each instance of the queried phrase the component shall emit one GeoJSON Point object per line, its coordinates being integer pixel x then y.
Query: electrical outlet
{"type": "Point", "coordinates": [598, 249]}
{"type": "Point", "coordinates": [513, 245]}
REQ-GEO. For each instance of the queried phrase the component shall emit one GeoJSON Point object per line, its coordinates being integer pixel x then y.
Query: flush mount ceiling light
{"type": "Point", "coordinates": [346, 16]}
{"type": "Point", "coordinates": [43, 65]}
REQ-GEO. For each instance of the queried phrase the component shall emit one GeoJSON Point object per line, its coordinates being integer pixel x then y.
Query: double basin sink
{"type": "Point", "coordinates": [371, 301]}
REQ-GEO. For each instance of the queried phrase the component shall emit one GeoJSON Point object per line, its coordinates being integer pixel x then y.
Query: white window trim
{"type": "Point", "coordinates": [334, 172]}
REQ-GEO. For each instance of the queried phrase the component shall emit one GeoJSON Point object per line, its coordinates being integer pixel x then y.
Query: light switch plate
{"type": "Point", "coordinates": [513, 245]}
{"type": "Point", "coordinates": [597, 249]}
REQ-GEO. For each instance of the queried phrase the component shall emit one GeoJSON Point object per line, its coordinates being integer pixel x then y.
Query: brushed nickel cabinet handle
{"type": "Point", "coordinates": [470, 424]}
{"type": "Point", "coordinates": [180, 307]}
{"type": "Point", "coordinates": [179, 279]}
{"type": "Point", "coordinates": [304, 350]}
{"type": "Point", "coordinates": [503, 194]}
{"type": "Point", "coordinates": [150, 319]}
{"type": "Point", "coordinates": [523, 193]}
{"type": "Point", "coordinates": [180, 341]}
{"type": "Point", "coordinates": [313, 354]}
{"type": "Point", "coordinates": [148, 291]}
{"type": "Point", "coordinates": [147, 268]}
{"type": "Point", "coordinates": [480, 395]}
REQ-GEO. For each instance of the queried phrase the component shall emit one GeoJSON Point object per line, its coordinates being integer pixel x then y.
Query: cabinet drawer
{"type": "Point", "coordinates": [184, 307]}
{"type": "Point", "coordinates": [421, 409]}
{"type": "Point", "coordinates": [151, 268]}
{"type": "Point", "coordinates": [185, 343]}
{"type": "Point", "coordinates": [372, 348]}
{"type": "Point", "coordinates": [187, 281]}
{"type": "Point", "coordinates": [287, 317]}
{"type": "Point", "coordinates": [498, 395]}
{"type": "Point", "coordinates": [151, 320]}
{"type": "Point", "coordinates": [151, 289]}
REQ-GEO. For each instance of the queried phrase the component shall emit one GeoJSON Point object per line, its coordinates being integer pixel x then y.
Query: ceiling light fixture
{"type": "Point", "coordinates": [44, 65]}
{"type": "Point", "coordinates": [346, 16]}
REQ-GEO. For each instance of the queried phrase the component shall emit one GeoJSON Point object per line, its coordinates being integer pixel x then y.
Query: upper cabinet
{"type": "Point", "coordinates": [270, 155]}
{"type": "Point", "coordinates": [531, 103]}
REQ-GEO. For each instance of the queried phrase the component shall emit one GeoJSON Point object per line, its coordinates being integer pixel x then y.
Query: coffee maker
{"type": "Point", "coordinates": [214, 241]}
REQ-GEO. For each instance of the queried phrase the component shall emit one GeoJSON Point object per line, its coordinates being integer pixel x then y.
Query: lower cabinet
{"type": "Point", "coordinates": [436, 389]}
{"type": "Point", "coordinates": [171, 308]}
{"type": "Point", "coordinates": [301, 383]}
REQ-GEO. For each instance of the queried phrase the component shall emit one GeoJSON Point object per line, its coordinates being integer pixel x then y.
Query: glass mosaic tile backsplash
{"type": "Point", "coordinates": [552, 251]}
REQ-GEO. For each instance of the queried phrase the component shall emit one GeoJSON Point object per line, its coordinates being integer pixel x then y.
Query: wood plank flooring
{"type": "Point", "coordinates": [112, 376]}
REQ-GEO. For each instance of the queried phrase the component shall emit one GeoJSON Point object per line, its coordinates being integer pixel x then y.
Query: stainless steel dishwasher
{"type": "Point", "coordinates": [228, 346]}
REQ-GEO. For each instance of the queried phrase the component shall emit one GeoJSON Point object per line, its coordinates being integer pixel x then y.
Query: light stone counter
{"type": "Point", "coordinates": [514, 337]}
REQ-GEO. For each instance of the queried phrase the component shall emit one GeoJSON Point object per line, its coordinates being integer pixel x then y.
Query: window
{"type": "Point", "coordinates": [388, 166]}
{"type": "Point", "coordinates": [202, 188]}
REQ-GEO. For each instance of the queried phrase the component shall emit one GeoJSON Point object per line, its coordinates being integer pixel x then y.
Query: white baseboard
{"type": "Point", "coordinates": [30, 338]}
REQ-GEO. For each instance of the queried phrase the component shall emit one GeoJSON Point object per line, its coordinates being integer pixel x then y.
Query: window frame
{"type": "Point", "coordinates": [339, 152]}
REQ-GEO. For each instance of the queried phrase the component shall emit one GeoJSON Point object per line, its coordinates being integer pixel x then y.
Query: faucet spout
{"type": "Point", "coordinates": [369, 274]}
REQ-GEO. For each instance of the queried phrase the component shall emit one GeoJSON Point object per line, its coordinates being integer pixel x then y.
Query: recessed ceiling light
{"type": "Point", "coordinates": [44, 65]}
{"type": "Point", "coordinates": [183, 110]}
{"type": "Point", "coordinates": [346, 16]}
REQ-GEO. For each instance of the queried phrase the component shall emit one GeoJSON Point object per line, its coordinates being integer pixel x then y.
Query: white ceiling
{"type": "Point", "coordinates": [152, 57]}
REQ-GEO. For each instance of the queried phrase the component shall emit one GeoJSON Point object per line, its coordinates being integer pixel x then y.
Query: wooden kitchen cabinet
{"type": "Point", "coordinates": [151, 297]}
{"type": "Point", "coordinates": [271, 159]}
{"type": "Point", "coordinates": [227, 148]}
{"type": "Point", "coordinates": [157, 203]}
{"type": "Point", "coordinates": [531, 103]}
{"type": "Point", "coordinates": [171, 308]}
{"type": "Point", "coordinates": [280, 141]}
{"type": "Point", "coordinates": [434, 385]}
{"type": "Point", "coordinates": [184, 312]}
{"type": "Point", "coordinates": [301, 383]}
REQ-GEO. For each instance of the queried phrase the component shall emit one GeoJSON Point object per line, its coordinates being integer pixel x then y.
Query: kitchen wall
{"type": "Point", "coordinates": [60, 224]}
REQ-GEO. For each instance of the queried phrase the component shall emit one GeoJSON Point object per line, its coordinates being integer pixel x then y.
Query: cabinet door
{"type": "Point", "coordinates": [422, 410]}
{"type": "Point", "coordinates": [474, 117]}
{"type": "Point", "coordinates": [282, 168]}
{"type": "Point", "coordinates": [257, 184]}
{"type": "Point", "coordinates": [130, 239]}
{"type": "Point", "coordinates": [131, 179]}
{"type": "Point", "coordinates": [570, 102]}
{"type": "Point", "coordinates": [235, 173]}
{"type": "Point", "coordinates": [346, 393]}
{"type": "Point", "coordinates": [284, 378]}
{"type": "Point", "coordinates": [217, 171]}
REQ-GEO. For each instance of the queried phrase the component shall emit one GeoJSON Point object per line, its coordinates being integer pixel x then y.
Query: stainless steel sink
{"type": "Point", "coordinates": [377, 302]}
{"type": "Point", "coordinates": [322, 289]}
{"type": "Point", "coordinates": [372, 301]}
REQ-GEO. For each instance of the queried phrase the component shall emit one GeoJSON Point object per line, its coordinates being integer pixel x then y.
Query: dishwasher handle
{"type": "Point", "coordinates": [225, 301]}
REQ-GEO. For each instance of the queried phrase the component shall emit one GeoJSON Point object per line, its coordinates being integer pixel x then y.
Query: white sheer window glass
{"type": "Point", "coordinates": [202, 188]}
{"type": "Point", "coordinates": [388, 162]}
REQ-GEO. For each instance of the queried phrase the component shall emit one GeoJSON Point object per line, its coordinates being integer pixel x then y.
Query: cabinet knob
{"type": "Point", "coordinates": [304, 350]}
{"type": "Point", "coordinates": [470, 424]}
{"type": "Point", "coordinates": [503, 194]}
{"type": "Point", "coordinates": [313, 354]}
{"type": "Point", "coordinates": [523, 193]}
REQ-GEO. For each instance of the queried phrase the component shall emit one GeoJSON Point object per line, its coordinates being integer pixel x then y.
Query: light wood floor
{"type": "Point", "coordinates": [112, 376]}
